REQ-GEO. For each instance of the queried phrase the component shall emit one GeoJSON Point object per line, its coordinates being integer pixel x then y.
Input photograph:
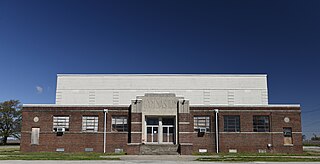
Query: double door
{"type": "Point", "coordinates": [160, 130]}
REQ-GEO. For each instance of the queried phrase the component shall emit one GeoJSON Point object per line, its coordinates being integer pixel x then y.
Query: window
{"type": "Point", "coordinates": [35, 136]}
{"type": "Point", "coordinates": [90, 123]}
{"type": "Point", "coordinates": [119, 124]}
{"type": "Point", "coordinates": [287, 132]}
{"type": "Point", "coordinates": [61, 122]}
{"type": "Point", "coordinates": [152, 121]}
{"type": "Point", "coordinates": [287, 136]}
{"type": "Point", "coordinates": [201, 122]}
{"type": "Point", "coordinates": [261, 124]}
{"type": "Point", "coordinates": [232, 123]}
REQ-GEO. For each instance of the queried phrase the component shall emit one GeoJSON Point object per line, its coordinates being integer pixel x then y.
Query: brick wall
{"type": "Point", "coordinates": [246, 140]}
{"type": "Point", "coordinates": [73, 140]}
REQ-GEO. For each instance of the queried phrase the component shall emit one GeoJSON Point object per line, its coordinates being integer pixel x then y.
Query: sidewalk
{"type": "Point", "coordinates": [190, 157]}
{"type": "Point", "coordinates": [158, 157]}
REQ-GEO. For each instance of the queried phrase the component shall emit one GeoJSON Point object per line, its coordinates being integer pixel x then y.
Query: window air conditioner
{"type": "Point", "coordinates": [61, 129]}
{"type": "Point", "coordinates": [202, 130]}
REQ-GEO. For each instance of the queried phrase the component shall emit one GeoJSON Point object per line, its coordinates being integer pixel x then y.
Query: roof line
{"type": "Point", "coordinates": [251, 75]}
{"type": "Point", "coordinates": [127, 105]}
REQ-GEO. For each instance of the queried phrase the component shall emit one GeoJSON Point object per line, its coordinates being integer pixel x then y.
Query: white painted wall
{"type": "Point", "coordinates": [119, 89]}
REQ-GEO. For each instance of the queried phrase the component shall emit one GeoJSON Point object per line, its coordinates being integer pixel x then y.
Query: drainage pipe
{"type": "Point", "coordinates": [217, 130]}
{"type": "Point", "coordinates": [105, 111]}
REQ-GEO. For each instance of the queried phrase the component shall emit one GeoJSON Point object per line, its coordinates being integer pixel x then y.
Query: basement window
{"type": "Point", "coordinates": [90, 123]}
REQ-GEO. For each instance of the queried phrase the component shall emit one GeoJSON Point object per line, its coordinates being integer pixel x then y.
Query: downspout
{"type": "Point", "coordinates": [105, 111]}
{"type": "Point", "coordinates": [217, 130]}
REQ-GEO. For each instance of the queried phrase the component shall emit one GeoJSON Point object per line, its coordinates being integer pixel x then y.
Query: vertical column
{"type": "Point", "coordinates": [185, 128]}
{"type": "Point", "coordinates": [160, 131]}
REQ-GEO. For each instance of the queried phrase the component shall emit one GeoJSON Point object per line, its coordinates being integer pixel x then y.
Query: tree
{"type": "Point", "coordinates": [315, 138]}
{"type": "Point", "coordinates": [304, 137]}
{"type": "Point", "coordinates": [10, 119]}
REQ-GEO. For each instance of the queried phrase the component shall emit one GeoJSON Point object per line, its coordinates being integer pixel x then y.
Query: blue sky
{"type": "Point", "coordinates": [39, 39]}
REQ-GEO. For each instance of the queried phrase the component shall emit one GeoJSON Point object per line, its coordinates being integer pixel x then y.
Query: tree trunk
{"type": "Point", "coordinates": [4, 140]}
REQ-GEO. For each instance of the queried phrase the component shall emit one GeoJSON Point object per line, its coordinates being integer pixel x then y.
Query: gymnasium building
{"type": "Point", "coordinates": [161, 114]}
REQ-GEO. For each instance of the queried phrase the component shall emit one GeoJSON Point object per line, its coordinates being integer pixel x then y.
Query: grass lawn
{"type": "Point", "coordinates": [247, 157]}
{"type": "Point", "coordinates": [13, 153]}
{"type": "Point", "coordinates": [259, 159]}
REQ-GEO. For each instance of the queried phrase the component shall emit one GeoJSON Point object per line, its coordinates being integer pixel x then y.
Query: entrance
{"type": "Point", "coordinates": [160, 130]}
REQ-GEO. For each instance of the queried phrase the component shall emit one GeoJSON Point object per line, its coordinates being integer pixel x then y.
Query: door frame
{"type": "Point", "coordinates": [160, 129]}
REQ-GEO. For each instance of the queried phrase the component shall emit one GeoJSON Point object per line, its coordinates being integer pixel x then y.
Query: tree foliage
{"type": "Point", "coordinates": [10, 119]}
{"type": "Point", "coordinates": [315, 138]}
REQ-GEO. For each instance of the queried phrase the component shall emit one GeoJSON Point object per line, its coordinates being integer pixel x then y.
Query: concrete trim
{"type": "Point", "coordinates": [186, 144]}
{"type": "Point", "coordinates": [68, 110]}
{"type": "Point", "coordinates": [187, 132]}
{"type": "Point", "coordinates": [73, 105]}
{"type": "Point", "coordinates": [136, 122]}
{"type": "Point", "coordinates": [239, 110]}
{"type": "Point", "coordinates": [136, 132]}
{"type": "Point", "coordinates": [118, 132]}
{"type": "Point", "coordinates": [184, 123]}
{"type": "Point", "coordinates": [99, 132]}
{"type": "Point", "coordinates": [257, 132]}
{"type": "Point", "coordinates": [135, 144]}
{"type": "Point", "coordinates": [127, 105]}
{"type": "Point", "coordinates": [248, 105]}
{"type": "Point", "coordinates": [118, 110]}
{"type": "Point", "coordinates": [208, 75]}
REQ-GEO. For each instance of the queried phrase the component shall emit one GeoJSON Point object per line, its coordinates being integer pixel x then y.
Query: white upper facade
{"type": "Point", "coordinates": [199, 89]}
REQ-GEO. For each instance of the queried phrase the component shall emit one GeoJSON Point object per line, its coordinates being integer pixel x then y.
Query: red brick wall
{"type": "Point", "coordinates": [75, 140]}
{"type": "Point", "coordinates": [246, 140]}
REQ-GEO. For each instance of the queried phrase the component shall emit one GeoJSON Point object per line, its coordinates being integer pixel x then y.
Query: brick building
{"type": "Point", "coordinates": [161, 114]}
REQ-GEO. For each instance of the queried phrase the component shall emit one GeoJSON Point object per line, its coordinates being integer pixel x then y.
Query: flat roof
{"type": "Point", "coordinates": [111, 105]}
{"type": "Point", "coordinates": [215, 75]}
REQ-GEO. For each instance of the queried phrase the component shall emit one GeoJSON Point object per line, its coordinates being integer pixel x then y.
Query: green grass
{"type": "Point", "coordinates": [13, 153]}
{"type": "Point", "coordinates": [310, 144]}
{"type": "Point", "coordinates": [259, 159]}
{"type": "Point", "coordinates": [258, 154]}
{"type": "Point", "coordinates": [265, 157]}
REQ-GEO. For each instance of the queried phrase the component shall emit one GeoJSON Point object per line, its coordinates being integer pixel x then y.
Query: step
{"type": "Point", "coordinates": [159, 149]}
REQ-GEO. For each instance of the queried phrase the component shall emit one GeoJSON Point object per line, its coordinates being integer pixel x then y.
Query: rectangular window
{"type": "Point", "coordinates": [232, 123]}
{"type": "Point", "coordinates": [261, 124]}
{"type": "Point", "coordinates": [61, 122]}
{"type": "Point", "coordinates": [287, 136]}
{"type": "Point", "coordinates": [119, 124]}
{"type": "Point", "coordinates": [201, 122]}
{"type": "Point", "coordinates": [35, 136]}
{"type": "Point", "coordinates": [90, 123]}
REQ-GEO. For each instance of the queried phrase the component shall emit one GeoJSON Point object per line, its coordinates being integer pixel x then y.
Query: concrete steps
{"type": "Point", "coordinates": [159, 149]}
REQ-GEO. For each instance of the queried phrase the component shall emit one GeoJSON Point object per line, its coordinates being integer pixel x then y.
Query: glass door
{"type": "Point", "coordinates": [160, 130]}
{"type": "Point", "coordinates": [153, 130]}
{"type": "Point", "coordinates": [167, 130]}
{"type": "Point", "coordinates": [167, 136]}
{"type": "Point", "coordinates": [152, 134]}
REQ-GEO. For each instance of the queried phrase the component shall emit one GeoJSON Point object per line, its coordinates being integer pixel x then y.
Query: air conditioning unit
{"type": "Point", "coordinates": [61, 129]}
{"type": "Point", "coordinates": [202, 130]}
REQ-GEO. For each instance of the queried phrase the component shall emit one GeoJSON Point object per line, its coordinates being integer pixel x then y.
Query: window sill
{"type": "Point", "coordinates": [231, 132]}
{"type": "Point", "coordinates": [116, 132]}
